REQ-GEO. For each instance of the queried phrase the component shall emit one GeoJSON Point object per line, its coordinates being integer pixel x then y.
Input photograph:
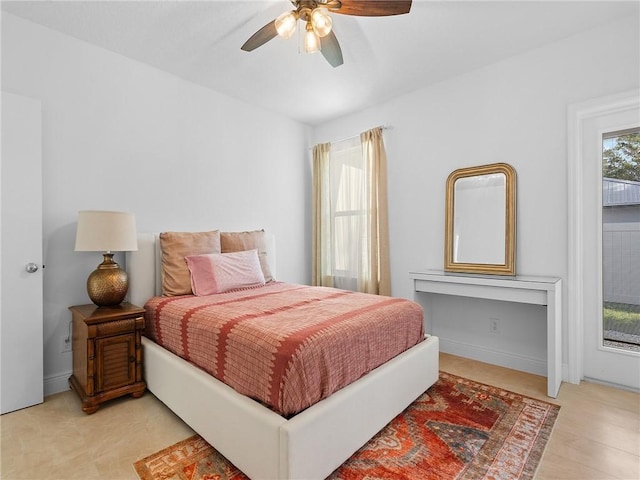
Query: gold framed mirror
{"type": "Point", "coordinates": [480, 220]}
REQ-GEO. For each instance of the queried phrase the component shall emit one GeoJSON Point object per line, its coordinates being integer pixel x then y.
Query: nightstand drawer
{"type": "Point", "coordinates": [116, 327]}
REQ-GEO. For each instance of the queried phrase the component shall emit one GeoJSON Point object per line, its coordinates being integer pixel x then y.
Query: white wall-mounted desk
{"type": "Point", "coordinates": [520, 289]}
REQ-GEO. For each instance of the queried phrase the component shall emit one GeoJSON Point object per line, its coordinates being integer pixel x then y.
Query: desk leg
{"type": "Point", "coordinates": [425, 301]}
{"type": "Point", "coordinates": [554, 340]}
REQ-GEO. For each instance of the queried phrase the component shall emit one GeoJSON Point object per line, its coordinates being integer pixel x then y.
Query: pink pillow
{"type": "Point", "coordinates": [221, 272]}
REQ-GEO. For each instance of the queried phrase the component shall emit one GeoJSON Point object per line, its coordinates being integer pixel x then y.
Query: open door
{"type": "Point", "coordinates": [606, 230]}
{"type": "Point", "coordinates": [21, 329]}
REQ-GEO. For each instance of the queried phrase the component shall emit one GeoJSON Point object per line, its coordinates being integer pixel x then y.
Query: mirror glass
{"type": "Point", "coordinates": [480, 217]}
{"type": "Point", "coordinates": [479, 233]}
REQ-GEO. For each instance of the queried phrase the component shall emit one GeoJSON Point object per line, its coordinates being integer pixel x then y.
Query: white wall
{"type": "Point", "coordinates": [513, 111]}
{"type": "Point", "coordinates": [120, 135]}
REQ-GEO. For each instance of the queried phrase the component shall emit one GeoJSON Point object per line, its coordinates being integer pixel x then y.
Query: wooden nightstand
{"type": "Point", "coordinates": [107, 353]}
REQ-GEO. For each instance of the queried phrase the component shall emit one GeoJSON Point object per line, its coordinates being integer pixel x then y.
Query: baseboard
{"type": "Point", "coordinates": [613, 385]}
{"type": "Point", "coordinates": [56, 383]}
{"type": "Point", "coordinates": [494, 357]}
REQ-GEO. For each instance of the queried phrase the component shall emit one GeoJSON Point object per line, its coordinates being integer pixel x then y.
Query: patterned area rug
{"type": "Point", "coordinates": [458, 429]}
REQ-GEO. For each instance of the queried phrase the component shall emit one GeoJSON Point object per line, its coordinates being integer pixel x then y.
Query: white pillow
{"type": "Point", "coordinates": [220, 272]}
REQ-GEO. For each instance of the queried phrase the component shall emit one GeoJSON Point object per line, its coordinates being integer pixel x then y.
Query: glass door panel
{"type": "Point", "coordinates": [621, 240]}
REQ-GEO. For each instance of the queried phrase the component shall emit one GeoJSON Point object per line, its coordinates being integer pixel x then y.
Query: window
{"type": "Point", "coordinates": [350, 215]}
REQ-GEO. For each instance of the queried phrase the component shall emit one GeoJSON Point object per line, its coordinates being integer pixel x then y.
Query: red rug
{"type": "Point", "coordinates": [458, 429]}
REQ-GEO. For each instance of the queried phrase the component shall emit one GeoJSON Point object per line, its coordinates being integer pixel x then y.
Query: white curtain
{"type": "Point", "coordinates": [321, 205]}
{"type": "Point", "coordinates": [350, 226]}
{"type": "Point", "coordinates": [377, 278]}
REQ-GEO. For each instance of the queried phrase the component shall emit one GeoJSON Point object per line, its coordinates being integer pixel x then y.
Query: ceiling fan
{"type": "Point", "coordinates": [318, 33]}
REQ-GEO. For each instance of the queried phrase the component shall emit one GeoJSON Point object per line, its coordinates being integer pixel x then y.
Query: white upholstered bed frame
{"type": "Point", "coordinates": [258, 441]}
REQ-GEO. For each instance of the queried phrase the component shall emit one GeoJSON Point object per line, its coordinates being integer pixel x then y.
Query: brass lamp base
{"type": "Point", "coordinates": [108, 284]}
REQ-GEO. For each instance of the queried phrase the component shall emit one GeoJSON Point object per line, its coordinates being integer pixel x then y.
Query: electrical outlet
{"type": "Point", "coordinates": [65, 344]}
{"type": "Point", "coordinates": [494, 325]}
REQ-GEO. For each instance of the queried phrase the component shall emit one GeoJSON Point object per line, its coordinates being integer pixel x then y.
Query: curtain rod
{"type": "Point", "coordinates": [383, 127]}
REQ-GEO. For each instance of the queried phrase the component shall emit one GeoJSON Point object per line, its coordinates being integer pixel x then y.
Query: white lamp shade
{"type": "Point", "coordinates": [321, 21]}
{"type": "Point", "coordinates": [103, 231]}
{"type": "Point", "coordinates": [311, 41]}
{"type": "Point", "coordinates": [286, 24]}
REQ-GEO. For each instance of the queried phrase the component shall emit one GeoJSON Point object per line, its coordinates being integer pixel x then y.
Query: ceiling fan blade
{"type": "Point", "coordinates": [374, 8]}
{"type": "Point", "coordinates": [331, 50]}
{"type": "Point", "coordinates": [261, 37]}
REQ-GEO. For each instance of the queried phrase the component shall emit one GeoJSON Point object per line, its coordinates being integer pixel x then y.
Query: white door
{"type": "Point", "coordinates": [602, 361]}
{"type": "Point", "coordinates": [21, 329]}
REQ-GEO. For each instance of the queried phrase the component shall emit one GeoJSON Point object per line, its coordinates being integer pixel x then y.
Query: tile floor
{"type": "Point", "coordinates": [597, 434]}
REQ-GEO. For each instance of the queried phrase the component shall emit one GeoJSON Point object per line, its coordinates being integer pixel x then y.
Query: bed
{"type": "Point", "coordinates": [260, 442]}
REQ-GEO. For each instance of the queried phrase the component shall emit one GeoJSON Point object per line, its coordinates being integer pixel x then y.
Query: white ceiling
{"type": "Point", "coordinates": [384, 57]}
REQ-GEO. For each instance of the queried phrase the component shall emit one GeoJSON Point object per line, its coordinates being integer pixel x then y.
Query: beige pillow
{"type": "Point", "coordinates": [175, 246]}
{"type": "Point", "coordinates": [240, 241]}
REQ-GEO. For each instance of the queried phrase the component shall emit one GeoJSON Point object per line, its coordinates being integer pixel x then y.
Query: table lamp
{"type": "Point", "coordinates": [103, 231]}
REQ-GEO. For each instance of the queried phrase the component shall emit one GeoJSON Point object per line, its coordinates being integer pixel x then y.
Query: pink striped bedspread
{"type": "Point", "coordinates": [287, 346]}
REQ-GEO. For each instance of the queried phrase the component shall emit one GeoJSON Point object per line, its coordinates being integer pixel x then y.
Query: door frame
{"type": "Point", "coordinates": [577, 115]}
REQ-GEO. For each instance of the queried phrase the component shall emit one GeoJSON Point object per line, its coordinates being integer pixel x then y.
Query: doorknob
{"type": "Point", "coordinates": [31, 267]}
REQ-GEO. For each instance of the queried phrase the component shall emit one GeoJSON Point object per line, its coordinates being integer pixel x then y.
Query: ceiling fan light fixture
{"type": "Point", "coordinates": [286, 24]}
{"type": "Point", "coordinates": [321, 21]}
{"type": "Point", "coordinates": [311, 40]}
{"type": "Point", "coordinates": [318, 34]}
